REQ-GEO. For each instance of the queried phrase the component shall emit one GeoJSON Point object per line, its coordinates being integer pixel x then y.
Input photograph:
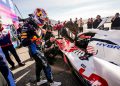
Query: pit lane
{"type": "Point", "coordinates": [25, 76]}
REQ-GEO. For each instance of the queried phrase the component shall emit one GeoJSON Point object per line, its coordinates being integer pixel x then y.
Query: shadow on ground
{"type": "Point", "coordinates": [61, 72]}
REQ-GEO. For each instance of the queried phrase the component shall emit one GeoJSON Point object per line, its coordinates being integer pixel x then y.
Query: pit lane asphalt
{"type": "Point", "coordinates": [25, 76]}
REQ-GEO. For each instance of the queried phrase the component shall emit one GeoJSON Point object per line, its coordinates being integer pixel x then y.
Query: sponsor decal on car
{"type": "Point", "coordinates": [94, 79]}
{"type": "Point", "coordinates": [109, 45]}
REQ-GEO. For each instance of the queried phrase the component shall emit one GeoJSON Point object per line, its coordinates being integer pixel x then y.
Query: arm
{"type": "Point", "coordinates": [112, 20]}
{"type": "Point", "coordinates": [48, 46]}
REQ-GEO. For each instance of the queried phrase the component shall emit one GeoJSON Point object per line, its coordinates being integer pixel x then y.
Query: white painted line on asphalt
{"type": "Point", "coordinates": [27, 64]}
{"type": "Point", "coordinates": [19, 78]}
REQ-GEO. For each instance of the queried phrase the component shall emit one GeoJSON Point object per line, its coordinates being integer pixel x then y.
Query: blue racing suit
{"type": "Point", "coordinates": [41, 63]}
{"type": "Point", "coordinates": [28, 32]}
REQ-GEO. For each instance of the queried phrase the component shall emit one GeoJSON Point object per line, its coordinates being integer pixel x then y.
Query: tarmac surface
{"type": "Point", "coordinates": [25, 76]}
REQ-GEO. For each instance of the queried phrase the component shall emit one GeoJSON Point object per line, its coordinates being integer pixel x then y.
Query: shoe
{"type": "Point", "coordinates": [55, 83]}
{"type": "Point", "coordinates": [41, 82]}
{"type": "Point", "coordinates": [21, 64]}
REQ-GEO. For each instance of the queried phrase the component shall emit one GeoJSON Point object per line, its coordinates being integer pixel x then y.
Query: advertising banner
{"type": "Point", "coordinates": [9, 19]}
{"type": "Point", "coordinates": [7, 12]}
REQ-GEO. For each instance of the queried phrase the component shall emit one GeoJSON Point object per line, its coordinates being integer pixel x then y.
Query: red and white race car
{"type": "Point", "coordinates": [94, 57]}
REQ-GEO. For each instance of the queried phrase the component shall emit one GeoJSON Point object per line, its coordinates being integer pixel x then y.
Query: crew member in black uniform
{"type": "Point", "coordinates": [50, 50]}
{"type": "Point", "coordinates": [48, 34]}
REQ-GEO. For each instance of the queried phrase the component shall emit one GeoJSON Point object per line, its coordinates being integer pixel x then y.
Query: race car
{"type": "Point", "coordinates": [95, 58]}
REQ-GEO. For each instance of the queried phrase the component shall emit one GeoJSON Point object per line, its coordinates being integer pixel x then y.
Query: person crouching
{"type": "Point", "coordinates": [50, 50]}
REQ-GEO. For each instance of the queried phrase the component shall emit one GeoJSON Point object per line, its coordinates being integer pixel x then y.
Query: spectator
{"type": "Point", "coordinates": [6, 45]}
{"type": "Point", "coordinates": [71, 20]}
{"type": "Point", "coordinates": [54, 27]}
{"type": "Point", "coordinates": [92, 20]}
{"type": "Point", "coordinates": [70, 26]}
{"type": "Point", "coordinates": [90, 23]}
{"type": "Point", "coordinates": [58, 27]}
{"type": "Point", "coordinates": [80, 25]}
{"type": "Point", "coordinates": [76, 24]}
{"type": "Point", "coordinates": [64, 23]}
{"type": "Point", "coordinates": [19, 30]}
{"type": "Point", "coordinates": [97, 21]}
{"type": "Point", "coordinates": [115, 21]}
{"type": "Point", "coordinates": [76, 20]}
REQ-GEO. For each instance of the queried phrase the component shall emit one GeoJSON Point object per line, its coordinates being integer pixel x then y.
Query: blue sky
{"type": "Point", "coordinates": [66, 9]}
